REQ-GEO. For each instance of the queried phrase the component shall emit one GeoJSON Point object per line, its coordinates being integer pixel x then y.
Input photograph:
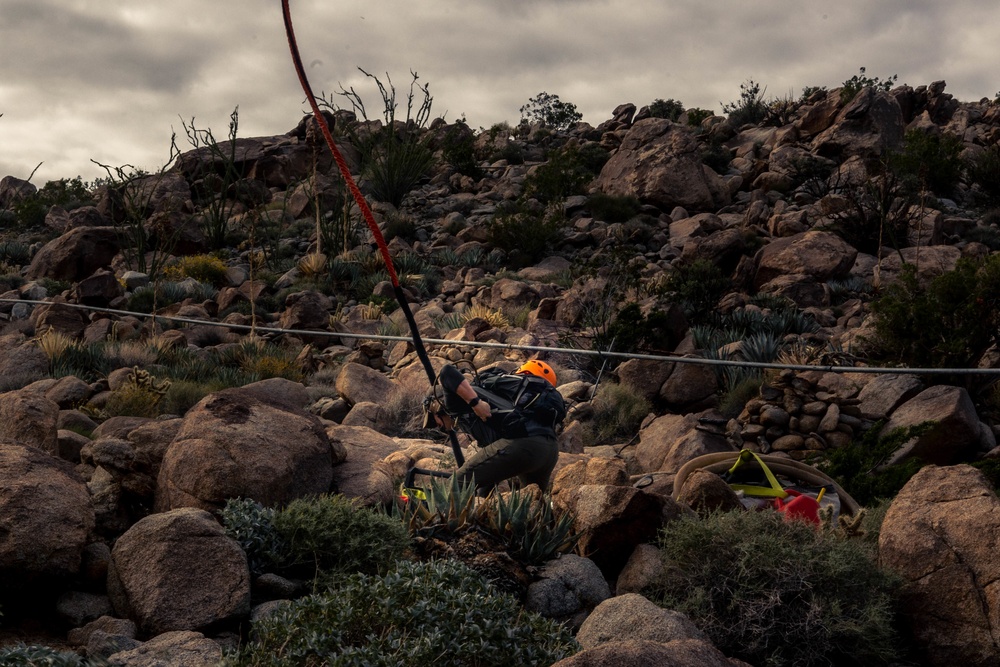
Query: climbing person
{"type": "Point", "coordinates": [512, 417]}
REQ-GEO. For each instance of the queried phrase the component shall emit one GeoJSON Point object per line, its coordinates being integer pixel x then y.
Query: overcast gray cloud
{"type": "Point", "coordinates": [84, 80]}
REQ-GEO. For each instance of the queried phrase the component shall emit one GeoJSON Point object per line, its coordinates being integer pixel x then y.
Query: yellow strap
{"type": "Point", "coordinates": [772, 491]}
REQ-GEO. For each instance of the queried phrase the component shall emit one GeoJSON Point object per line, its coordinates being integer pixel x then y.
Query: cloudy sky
{"type": "Point", "coordinates": [111, 80]}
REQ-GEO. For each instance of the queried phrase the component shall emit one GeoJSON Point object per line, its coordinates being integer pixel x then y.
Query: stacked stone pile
{"type": "Point", "coordinates": [794, 416]}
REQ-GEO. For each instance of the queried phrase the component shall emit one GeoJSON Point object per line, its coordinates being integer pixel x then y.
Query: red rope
{"type": "Point", "coordinates": [341, 163]}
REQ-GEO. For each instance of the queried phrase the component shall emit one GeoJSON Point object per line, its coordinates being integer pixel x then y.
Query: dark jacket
{"type": "Point", "coordinates": [520, 405]}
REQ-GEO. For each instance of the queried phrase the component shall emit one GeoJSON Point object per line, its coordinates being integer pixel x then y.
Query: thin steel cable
{"type": "Point", "coordinates": [532, 348]}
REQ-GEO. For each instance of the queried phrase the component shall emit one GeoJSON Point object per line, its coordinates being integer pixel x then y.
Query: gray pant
{"type": "Point", "coordinates": [531, 459]}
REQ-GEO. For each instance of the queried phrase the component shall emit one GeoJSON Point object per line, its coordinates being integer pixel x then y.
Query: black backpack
{"type": "Point", "coordinates": [523, 404]}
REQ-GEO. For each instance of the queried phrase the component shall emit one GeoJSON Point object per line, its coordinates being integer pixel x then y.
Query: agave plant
{"type": "Point", "coordinates": [449, 506]}
{"type": "Point", "coordinates": [527, 523]}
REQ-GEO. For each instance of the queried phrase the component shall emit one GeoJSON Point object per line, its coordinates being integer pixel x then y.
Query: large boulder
{"type": "Point", "coordinates": [21, 362]}
{"type": "Point", "coordinates": [181, 647]}
{"type": "Point", "coordinates": [880, 397]}
{"type": "Point", "coordinates": [47, 515]}
{"type": "Point", "coordinates": [178, 571]}
{"type": "Point", "coordinates": [509, 295]}
{"type": "Point", "coordinates": [928, 262]}
{"type": "Point", "coordinates": [955, 431]}
{"type": "Point", "coordinates": [567, 589]}
{"type": "Point", "coordinates": [670, 441]}
{"type": "Point", "coordinates": [362, 472]}
{"type": "Point", "coordinates": [659, 163]}
{"type": "Point", "coordinates": [643, 653]}
{"type": "Point", "coordinates": [13, 190]}
{"type": "Point", "coordinates": [820, 255]}
{"type": "Point", "coordinates": [870, 124]}
{"type": "Point", "coordinates": [233, 445]}
{"type": "Point", "coordinates": [358, 383]}
{"type": "Point", "coordinates": [632, 616]}
{"type": "Point", "coordinates": [306, 310]}
{"type": "Point", "coordinates": [612, 520]}
{"type": "Point", "coordinates": [942, 534]}
{"type": "Point", "coordinates": [59, 317]}
{"type": "Point", "coordinates": [75, 255]}
{"type": "Point", "coordinates": [29, 419]}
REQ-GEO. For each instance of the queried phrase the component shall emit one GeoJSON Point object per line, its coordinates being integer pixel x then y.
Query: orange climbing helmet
{"type": "Point", "coordinates": [539, 369]}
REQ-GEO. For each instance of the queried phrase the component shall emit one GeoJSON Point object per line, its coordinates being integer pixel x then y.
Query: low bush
{"type": "Point", "coordinates": [613, 208]}
{"type": "Point", "coordinates": [21, 655]}
{"type": "Point", "coordinates": [328, 535]}
{"type": "Point", "coordinates": [779, 593]}
{"type": "Point", "coordinates": [930, 161]}
{"type": "Point", "coordinates": [633, 331]}
{"type": "Point", "coordinates": [567, 172]}
{"type": "Point", "coordinates": [860, 469]}
{"type": "Point", "coordinates": [983, 173]}
{"type": "Point", "coordinates": [526, 235]}
{"type": "Point", "coordinates": [549, 110]}
{"type": "Point", "coordinates": [670, 109]}
{"type": "Point", "coordinates": [438, 613]}
{"type": "Point", "coordinates": [750, 108]}
{"type": "Point", "coordinates": [618, 412]}
{"type": "Point", "coordinates": [206, 269]}
{"type": "Point", "coordinates": [697, 288]}
{"type": "Point", "coordinates": [861, 80]}
{"type": "Point", "coordinates": [948, 322]}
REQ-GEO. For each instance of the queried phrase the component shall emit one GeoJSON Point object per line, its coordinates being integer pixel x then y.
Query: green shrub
{"type": "Point", "coordinates": [779, 593]}
{"type": "Point", "coordinates": [947, 323]}
{"type": "Point", "coordinates": [132, 401]}
{"type": "Point", "coordinates": [396, 168]}
{"type": "Point", "coordinates": [334, 535]}
{"type": "Point", "coordinates": [858, 466]}
{"type": "Point", "coordinates": [322, 535]}
{"type": "Point", "coordinates": [670, 109]}
{"type": "Point", "coordinates": [696, 116]}
{"type": "Point", "coordinates": [988, 236]}
{"type": "Point", "coordinates": [207, 269]}
{"type": "Point", "coordinates": [931, 161]}
{"type": "Point", "coordinates": [750, 108]}
{"type": "Point", "coordinates": [394, 157]}
{"type": "Point", "coordinates": [716, 156]}
{"type": "Point", "coordinates": [567, 172]}
{"type": "Point", "coordinates": [983, 173]}
{"type": "Point", "coordinates": [183, 395]}
{"type": "Point", "coordinates": [252, 526]}
{"type": "Point", "coordinates": [618, 412]}
{"type": "Point", "coordinates": [738, 391]}
{"type": "Point", "coordinates": [69, 193]}
{"type": "Point", "coordinates": [458, 150]}
{"type": "Point", "coordinates": [439, 613]}
{"type": "Point", "coordinates": [633, 331]}
{"type": "Point", "coordinates": [551, 111]}
{"type": "Point", "coordinates": [156, 296]}
{"type": "Point", "coordinates": [878, 210]}
{"type": "Point", "coordinates": [697, 288]}
{"type": "Point", "coordinates": [525, 234]}
{"type": "Point", "coordinates": [856, 83]}
{"type": "Point", "coordinates": [613, 208]}
{"type": "Point", "coordinates": [21, 655]}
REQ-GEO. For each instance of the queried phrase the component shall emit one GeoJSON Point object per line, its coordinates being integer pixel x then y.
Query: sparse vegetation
{"type": "Point", "coordinates": [861, 80]}
{"type": "Point", "coordinates": [407, 616]}
{"type": "Point", "coordinates": [772, 592]}
{"type": "Point", "coordinates": [550, 111]}
{"type": "Point", "coordinates": [750, 108]}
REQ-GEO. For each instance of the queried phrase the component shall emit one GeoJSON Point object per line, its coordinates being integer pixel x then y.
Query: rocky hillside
{"type": "Point", "coordinates": [165, 334]}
